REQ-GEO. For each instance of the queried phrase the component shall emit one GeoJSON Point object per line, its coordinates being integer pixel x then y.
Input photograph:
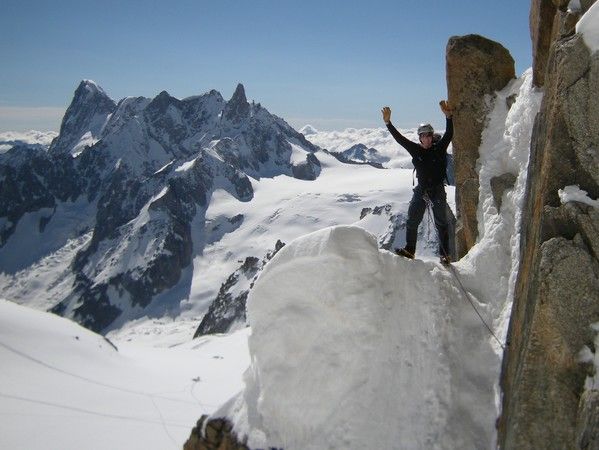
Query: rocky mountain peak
{"type": "Point", "coordinates": [89, 91]}
{"type": "Point", "coordinates": [162, 101]}
{"type": "Point", "coordinates": [237, 107]}
{"type": "Point", "coordinates": [84, 119]}
{"type": "Point", "coordinates": [91, 87]}
{"type": "Point", "coordinates": [163, 155]}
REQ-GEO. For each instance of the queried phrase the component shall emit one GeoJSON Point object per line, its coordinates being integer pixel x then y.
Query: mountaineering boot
{"type": "Point", "coordinates": [445, 260]}
{"type": "Point", "coordinates": [405, 253]}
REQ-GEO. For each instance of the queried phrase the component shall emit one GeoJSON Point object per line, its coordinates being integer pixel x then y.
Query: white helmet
{"type": "Point", "coordinates": [425, 128]}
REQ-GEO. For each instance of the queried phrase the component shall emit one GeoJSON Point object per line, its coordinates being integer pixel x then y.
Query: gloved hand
{"type": "Point", "coordinates": [446, 108]}
{"type": "Point", "coordinates": [386, 114]}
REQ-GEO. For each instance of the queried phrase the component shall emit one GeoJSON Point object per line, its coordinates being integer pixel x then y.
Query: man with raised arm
{"type": "Point", "coordinates": [430, 162]}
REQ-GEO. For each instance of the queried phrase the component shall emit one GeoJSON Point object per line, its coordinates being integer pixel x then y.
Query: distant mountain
{"type": "Point", "coordinates": [41, 139]}
{"type": "Point", "coordinates": [134, 175]}
{"type": "Point", "coordinates": [360, 154]}
{"type": "Point", "coordinates": [228, 308]}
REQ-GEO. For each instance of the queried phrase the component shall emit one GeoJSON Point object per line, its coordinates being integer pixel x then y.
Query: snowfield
{"type": "Point", "coordinates": [64, 387]}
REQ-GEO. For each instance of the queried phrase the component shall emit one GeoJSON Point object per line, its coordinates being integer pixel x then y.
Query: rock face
{"type": "Point", "coordinates": [556, 299]}
{"type": "Point", "coordinates": [499, 185]}
{"type": "Point", "coordinates": [228, 308]}
{"type": "Point", "coordinates": [85, 118]}
{"type": "Point", "coordinates": [214, 434]}
{"type": "Point", "coordinates": [145, 170]}
{"type": "Point", "coordinates": [32, 180]}
{"type": "Point", "coordinates": [476, 68]}
{"type": "Point", "coordinates": [542, 13]}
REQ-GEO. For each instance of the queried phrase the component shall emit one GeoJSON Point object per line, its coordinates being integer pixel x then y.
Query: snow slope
{"type": "Point", "coordinates": [353, 347]}
{"type": "Point", "coordinates": [64, 387]}
{"type": "Point", "coordinates": [282, 208]}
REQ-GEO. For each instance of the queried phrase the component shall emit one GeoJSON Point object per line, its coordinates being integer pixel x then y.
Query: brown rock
{"type": "Point", "coordinates": [214, 434]}
{"type": "Point", "coordinates": [542, 15]}
{"type": "Point", "coordinates": [557, 291]}
{"type": "Point", "coordinates": [499, 185]}
{"type": "Point", "coordinates": [588, 424]}
{"type": "Point", "coordinates": [551, 377]}
{"type": "Point", "coordinates": [476, 68]}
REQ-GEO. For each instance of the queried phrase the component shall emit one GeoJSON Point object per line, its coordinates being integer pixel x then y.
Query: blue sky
{"type": "Point", "coordinates": [332, 64]}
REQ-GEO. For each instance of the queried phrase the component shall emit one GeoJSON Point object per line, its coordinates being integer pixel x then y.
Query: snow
{"type": "Point", "coordinates": [588, 26]}
{"type": "Point", "coordinates": [87, 140]}
{"type": "Point", "coordinates": [66, 387]}
{"type": "Point", "coordinates": [298, 154]}
{"type": "Point", "coordinates": [43, 284]}
{"type": "Point", "coordinates": [336, 321]}
{"type": "Point", "coordinates": [504, 149]}
{"type": "Point", "coordinates": [92, 87]}
{"type": "Point", "coordinates": [29, 243]}
{"type": "Point", "coordinates": [308, 130]}
{"type": "Point", "coordinates": [186, 166]}
{"type": "Point", "coordinates": [575, 194]}
{"type": "Point", "coordinates": [574, 7]}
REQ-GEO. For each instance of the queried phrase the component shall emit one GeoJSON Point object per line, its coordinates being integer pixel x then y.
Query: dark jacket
{"type": "Point", "coordinates": [430, 164]}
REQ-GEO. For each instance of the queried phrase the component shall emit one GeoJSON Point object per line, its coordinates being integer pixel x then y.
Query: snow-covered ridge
{"type": "Point", "coordinates": [336, 321]}
{"type": "Point", "coordinates": [147, 168]}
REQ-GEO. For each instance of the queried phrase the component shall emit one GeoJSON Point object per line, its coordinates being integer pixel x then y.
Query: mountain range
{"type": "Point", "coordinates": [131, 177]}
{"type": "Point", "coordinates": [103, 225]}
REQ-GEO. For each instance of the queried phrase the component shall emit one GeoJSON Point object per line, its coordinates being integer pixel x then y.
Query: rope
{"type": "Point", "coordinates": [430, 215]}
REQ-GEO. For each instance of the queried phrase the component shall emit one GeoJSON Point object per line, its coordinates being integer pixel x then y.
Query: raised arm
{"type": "Point", "coordinates": [399, 138]}
{"type": "Point", "coordinates": [448, 111]}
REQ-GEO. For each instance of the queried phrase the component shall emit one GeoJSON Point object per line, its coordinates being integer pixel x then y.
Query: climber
{"type": "Point", "coordinates": [430, 162]}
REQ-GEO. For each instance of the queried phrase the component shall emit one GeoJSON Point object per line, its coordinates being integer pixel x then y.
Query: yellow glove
{"type": "Point", "coordinates": [446, 108]}
{"type": "Point", "coordinates": [386, 114]}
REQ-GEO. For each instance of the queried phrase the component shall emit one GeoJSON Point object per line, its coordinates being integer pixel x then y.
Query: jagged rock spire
{"type": "Point", "coordinates": [238, 107]}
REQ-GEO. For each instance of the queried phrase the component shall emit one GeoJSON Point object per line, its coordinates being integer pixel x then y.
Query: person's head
{"type": "Point", "coordinates": [425, 134]}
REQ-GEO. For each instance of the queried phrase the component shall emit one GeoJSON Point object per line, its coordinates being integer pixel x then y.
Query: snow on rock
{"type": "Point", "coordinates": [588, 26]}
{"type": "Point", "coordinates": [575, 194]}
{"type": "Point", "coordinates": [84, 119]}
{"type": "Point", "coordinates": [353, 347]}
{"type": "Point", "coordinates": [587, 355]}
{"type": "Point", "coordinates": [504, 149]}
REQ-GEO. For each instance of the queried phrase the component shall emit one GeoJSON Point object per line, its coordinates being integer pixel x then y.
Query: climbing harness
{"type": "Point", "coordinates": [429, 211]}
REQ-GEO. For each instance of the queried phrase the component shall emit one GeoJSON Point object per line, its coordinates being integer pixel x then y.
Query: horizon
{"type": "Point", "coordinates": [332, 66]}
